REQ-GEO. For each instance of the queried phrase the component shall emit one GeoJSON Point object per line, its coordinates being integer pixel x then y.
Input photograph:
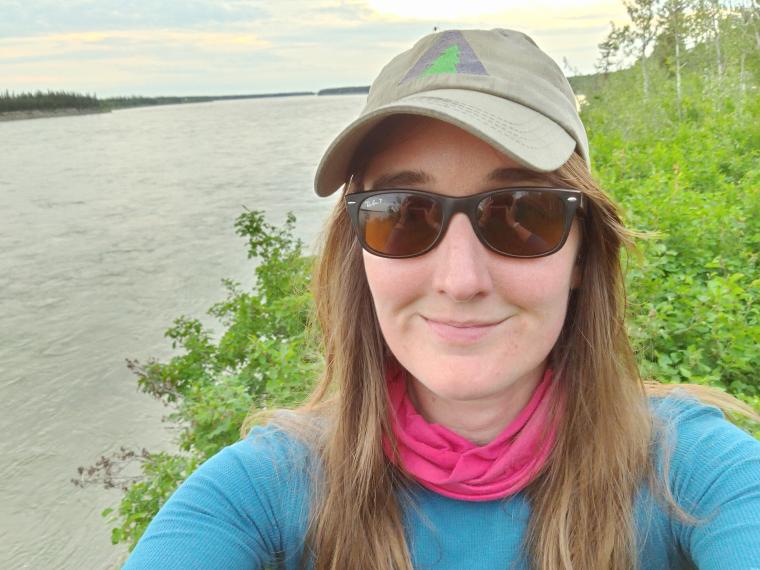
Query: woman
{"type": "Point", "coordinates": [480, 406]}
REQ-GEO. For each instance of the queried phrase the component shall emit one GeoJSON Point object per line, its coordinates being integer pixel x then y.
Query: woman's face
{"type": "Point", "coordinates": [467, 323]}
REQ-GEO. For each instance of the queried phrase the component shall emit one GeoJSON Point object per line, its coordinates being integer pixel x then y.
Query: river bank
{"type": "Point", "coordinates": [44, 114]}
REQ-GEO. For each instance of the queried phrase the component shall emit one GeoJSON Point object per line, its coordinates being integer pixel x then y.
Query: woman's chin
{"type": "Point", "coordinates": [459, 379]}
{"type": "Point", "coordinates": [463, 387]}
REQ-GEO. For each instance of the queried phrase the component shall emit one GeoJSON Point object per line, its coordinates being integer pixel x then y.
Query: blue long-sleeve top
{"type": "Point", "coordinates": [247, 507]}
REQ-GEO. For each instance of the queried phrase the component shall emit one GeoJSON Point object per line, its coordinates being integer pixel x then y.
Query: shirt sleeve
{"type": "Point", "coordinates": [715, 476]}
{"type": "Point", "coordinates": [243, 508]}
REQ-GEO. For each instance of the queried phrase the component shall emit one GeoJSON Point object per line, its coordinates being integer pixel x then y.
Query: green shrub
{"type": "Point", "coordinates": [694, 315]}
{"type": "Point", "coordinates": [266, 357]}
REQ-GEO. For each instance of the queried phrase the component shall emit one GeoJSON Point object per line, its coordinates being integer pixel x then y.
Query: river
{"type": "Point", "coordinates": [112, 225]}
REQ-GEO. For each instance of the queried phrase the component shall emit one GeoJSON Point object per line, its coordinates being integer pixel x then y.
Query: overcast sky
{"type": "Point", "coordinates": [186, 47]}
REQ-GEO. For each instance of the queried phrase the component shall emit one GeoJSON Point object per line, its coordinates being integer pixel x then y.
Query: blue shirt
{"type": "Point", "coordinates": [247, 506]}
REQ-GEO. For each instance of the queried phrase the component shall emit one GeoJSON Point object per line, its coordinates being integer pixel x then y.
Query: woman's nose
{"type": "Point", "coordinates": [461, 262]}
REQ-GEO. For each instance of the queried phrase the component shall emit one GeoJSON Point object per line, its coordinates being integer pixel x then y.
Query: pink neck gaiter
{"type": "Point", "coordinates": [450, 465]}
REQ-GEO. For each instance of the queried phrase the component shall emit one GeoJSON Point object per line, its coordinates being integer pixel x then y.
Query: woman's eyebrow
{"type": "Point", "coordinates": [401, 179]}
{"type": "Point", "coordinates": [505, 175]}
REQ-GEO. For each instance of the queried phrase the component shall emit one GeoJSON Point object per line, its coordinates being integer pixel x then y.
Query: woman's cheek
{"type": "Point", "coordinates": [393, 283]}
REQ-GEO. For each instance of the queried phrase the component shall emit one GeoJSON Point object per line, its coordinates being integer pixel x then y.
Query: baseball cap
{"type": "Point", "coordinates": [495, 84]}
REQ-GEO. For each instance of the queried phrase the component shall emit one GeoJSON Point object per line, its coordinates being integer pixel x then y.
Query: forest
{"type": "Point", "coordinates": [68, 101]}
{"type": "Point", "coordinates": [48, 101]}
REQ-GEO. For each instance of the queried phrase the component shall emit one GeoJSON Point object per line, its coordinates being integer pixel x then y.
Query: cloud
{"type": "Point", "coordinates": [251, 46]}
{"type": "Point", "coordinates": [438, 10]}
{"type": "Point", "coordinates": [31, 17]}
{"type": "Point", "coordinates": [112, 44]}
{"type": "Point", "coordinates": [481, 12]}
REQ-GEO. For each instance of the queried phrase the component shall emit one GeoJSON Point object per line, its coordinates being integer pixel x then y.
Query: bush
{"type": "Point", "coordinates": [694, 186]}
{"type": "Point", "coordinates": [265, 358]}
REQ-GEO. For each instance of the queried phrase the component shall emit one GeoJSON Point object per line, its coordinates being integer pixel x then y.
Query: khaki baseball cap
{"type": "Point", "coordinates": [495, 84]}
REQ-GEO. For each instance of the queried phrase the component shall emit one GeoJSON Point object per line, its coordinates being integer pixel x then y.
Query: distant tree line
{"type": "Point", "coordinates": [59, 100]}
{"type": "Point", "coordinates": [138, 101]}
{"type": "Point", "coordinates": [344, 90]}
{"type": "Point", "coordinates": [48, 100]}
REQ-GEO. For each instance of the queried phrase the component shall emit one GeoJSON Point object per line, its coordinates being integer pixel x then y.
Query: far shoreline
{"type": "Point", "coordinates": [121, 103]}
{"type": "Point", "coordinates": [47, 113]}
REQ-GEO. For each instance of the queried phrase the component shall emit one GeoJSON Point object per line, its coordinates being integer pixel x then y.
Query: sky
{"type": "Point", "coordinates": [227, 47]}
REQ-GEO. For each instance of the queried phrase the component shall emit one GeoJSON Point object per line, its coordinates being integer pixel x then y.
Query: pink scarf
{"type": "Point", "coordinates": [450, 465]}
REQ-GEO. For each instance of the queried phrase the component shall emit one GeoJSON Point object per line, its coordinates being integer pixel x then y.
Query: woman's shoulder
{"type": "Point", "coordinates": [689, 425]}
{"type": "Point", "coordinates": [272, 458]}
{"type": "Point", "coordinates": [681, 407]}
{"type": "Point", "coordinates": [273, 442]}
{"type": "Point", "coordinates": [262, 476]}
{"type": "Point", "coordinates": [708, 458]}
{"type": "Point", "coordinates": [713, 472]}
{"type": "Point", "coordinates": [684, 411]}
{"type": "Point", "coordinates": [239, 509]}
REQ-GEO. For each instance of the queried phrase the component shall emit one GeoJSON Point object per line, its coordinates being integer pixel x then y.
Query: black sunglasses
{"type": "Point", "coordinates": [515, 222]}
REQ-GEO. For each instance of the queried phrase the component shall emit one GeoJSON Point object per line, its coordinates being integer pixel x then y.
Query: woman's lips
{"type": "Point", "coordinates": [461, 332]}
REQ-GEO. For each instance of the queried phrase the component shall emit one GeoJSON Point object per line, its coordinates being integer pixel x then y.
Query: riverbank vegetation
{"type": "Point", "coordinates": [672, 117]}
{"type": "Point", "coordinates": [113, 103]}
{"type": "Point", "coordinates": [56, 101]}
{"type": "Point", "coordinates": [47, 101]}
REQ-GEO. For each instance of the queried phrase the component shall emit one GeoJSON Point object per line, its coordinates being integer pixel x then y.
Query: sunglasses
{"type": "Point", "coordinates": [515, 222]}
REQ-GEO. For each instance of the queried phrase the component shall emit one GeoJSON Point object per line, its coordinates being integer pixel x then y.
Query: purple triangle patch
{"type": "Point", "coordinates": [450, 54]}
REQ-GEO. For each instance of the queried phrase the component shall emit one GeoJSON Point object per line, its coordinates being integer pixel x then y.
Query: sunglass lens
{"type": "Point", "coordinates": [522, 223]}
{"type": "Point", "coordinates": [399, 224]}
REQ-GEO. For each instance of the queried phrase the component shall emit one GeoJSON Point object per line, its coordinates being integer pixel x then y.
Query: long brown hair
{"type": "Point", "coordinates": [581, 503]}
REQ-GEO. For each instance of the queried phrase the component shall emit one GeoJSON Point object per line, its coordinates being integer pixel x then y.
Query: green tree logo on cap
{"type": "Point", "coordinates": [445, 63]}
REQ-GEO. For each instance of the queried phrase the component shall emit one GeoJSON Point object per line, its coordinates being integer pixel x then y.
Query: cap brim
{"type": "Point", "coordinates": [526, 136]}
